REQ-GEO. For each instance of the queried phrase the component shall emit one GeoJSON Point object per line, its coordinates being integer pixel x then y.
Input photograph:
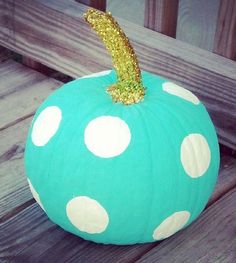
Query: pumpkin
{"type": "Point", "coordinates": [121, 156]}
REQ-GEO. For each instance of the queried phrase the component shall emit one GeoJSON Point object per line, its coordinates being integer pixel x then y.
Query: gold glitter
{"type": "Point", "coordinates": [129, 88]}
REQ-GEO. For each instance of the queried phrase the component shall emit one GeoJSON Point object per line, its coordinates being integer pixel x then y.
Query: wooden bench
{"type": "Point", "coordinates": [55, 34]}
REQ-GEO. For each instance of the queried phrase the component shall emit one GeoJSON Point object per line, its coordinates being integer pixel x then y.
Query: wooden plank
{"type": "Point", "coordinates": [24, 102]}
{"type": "Point", "coordinates": [210, 239]}
{"type": "Point", "coordinates": [132, 11]}
{"type": "Point", "coordinates": [197, 22]}
{"type": "Point", "coordinates": [42, 40]}
{"type": "Point", "coordinates": [161, 16]}
{"type": "Point", "coordinates": [196, 19]}
{"type": "Point", "coordinates": [26, 93]}
{"type": "Point", "coordinates": [68, 44]}
{"type": "Point", "coordinates": [14, 190]}
{"type": "Point", "coordinates": [226, 180]}
{"type": "Point", "coordinates": [21, 91]}
{"type": "Point", "coordinates": [30, 235]}
{"type": "Point", "coordinates": [225, 37]}
{"type": "Point", "coordinates": [15, 77]}
{"type": "Point", "coordinates": [98, 4]}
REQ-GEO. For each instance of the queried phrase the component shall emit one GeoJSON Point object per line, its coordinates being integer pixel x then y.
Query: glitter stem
{"type": "Point", "coordinates": [129, 88]}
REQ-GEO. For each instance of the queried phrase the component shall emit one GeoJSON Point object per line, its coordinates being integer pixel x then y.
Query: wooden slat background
{"type": "Point", "coordinates": [196, 19]}
{"type": "Point", "coordinates": [26, 234]}
{"type": "Point", "coordinates": [225, 37]}
{"type": "Point", "coordinates": [78, 51]}
{"type": "Point", "coordinates": [197, 22]}
{"type": "Point", "coordinates": [162, 16]}
{"type": "Point", "coordinates": [98, 4]}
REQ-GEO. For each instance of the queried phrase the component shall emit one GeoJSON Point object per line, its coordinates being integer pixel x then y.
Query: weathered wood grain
{"type": "Point", "coordinates": [161, 16]}
{"type": "Point", "coordinates": [226, 180]}
{"type": "Point", "coordinates": [24, 102]}
{"type": "Point", "coordinates": [196, 19]}
{"type": "Point", "coordinates": [14, 76]}
{"type": "Point", "coordinates": [197, 22]}
{"type": "Point", "coordinates": [132, 11]}
{"type": "Point", "coordinates": [14, 190]}
{"type": "Point", "coordinates": [32, 237]}
{"type": "Point", "coordinates": [98, 4]}
{"type": "Point", "coordinates": [210, 239]}
{"type": "Point", "coordinates": [62, 40]}
{"type": "Point", "coordinates": [225, 37]}
{"type": "Point", "coordinates": [22, 91]}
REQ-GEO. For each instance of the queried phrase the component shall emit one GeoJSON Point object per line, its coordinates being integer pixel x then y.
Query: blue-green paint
{"type": "Point", "coordinates": [139, 188]}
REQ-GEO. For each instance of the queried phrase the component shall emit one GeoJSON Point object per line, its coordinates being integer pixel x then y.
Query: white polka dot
{"type": "Point", "coordinates": [107, 136]}
{"type": "Point", "coordinates": [98, 74]}
{"type": "Point", "coordinates": [46, 125]}
{"type": "Point", "coordinates": [171, 225]}
{"type": "Point", "coordinates": [35, 194]}
{"type": "Point", "coordinates": [87, 215]}
{"type": "Point", "coordinates": [176, 90]}
{"type": "Point", "coordinates": [195, 155]}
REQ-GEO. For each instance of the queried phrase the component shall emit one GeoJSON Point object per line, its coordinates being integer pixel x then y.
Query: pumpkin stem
{"type": "Point", "coordinates": [129, 88]}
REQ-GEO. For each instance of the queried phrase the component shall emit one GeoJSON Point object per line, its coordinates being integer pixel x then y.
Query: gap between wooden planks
{"type": "Point", "coordinates": [58, 37]}
{"type": "Point", "coordinates": [26, 88]}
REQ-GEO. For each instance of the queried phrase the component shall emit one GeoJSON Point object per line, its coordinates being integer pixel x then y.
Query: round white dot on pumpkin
{"type": "Point", "coordinates": [183, 93]}
{"type": "Point", "coordinates": [35, 194]}
{"type": "Point", "coordinates": [46, 125]}
{"type": "Point", "coordinates": [98, 74]}
{"type": "Point", "coordinates": [195, 155]}
{"type": "Point", "coordinates": [171, 225]}
{"type": "Point", "coordinates": [87, 214]}
{"type": "Point", "coordinates": [107, 136]}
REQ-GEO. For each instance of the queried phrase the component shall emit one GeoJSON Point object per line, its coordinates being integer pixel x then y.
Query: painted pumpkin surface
{"type": "Point", "coordinates": [122, 174]}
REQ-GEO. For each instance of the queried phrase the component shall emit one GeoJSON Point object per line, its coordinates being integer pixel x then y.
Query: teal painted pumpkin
{"type": "Point", "coordinates": [119, 174]}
